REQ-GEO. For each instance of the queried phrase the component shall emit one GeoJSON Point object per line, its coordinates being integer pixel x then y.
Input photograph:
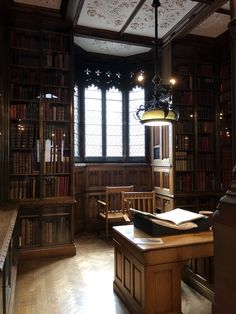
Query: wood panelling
{"type": "Point", "coordinates": [91, 181]}
{"type": "Point", "coordinates": [156, 269]}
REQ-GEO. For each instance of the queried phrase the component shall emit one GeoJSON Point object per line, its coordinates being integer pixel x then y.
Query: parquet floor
{"type": "Point", "coordinates": [81, 284]}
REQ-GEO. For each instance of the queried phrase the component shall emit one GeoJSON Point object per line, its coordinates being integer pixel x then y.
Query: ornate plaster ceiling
{"type": "Point", "coordinates": [132, 18]}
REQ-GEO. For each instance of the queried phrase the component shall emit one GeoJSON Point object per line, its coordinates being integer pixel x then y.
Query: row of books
{"type": "Point", "coordinates": [24, 111]}
{"type": "Point", "coordinates": [185, 113]}
{"type": "Point", "coordinates": [184, 127]}
{"type": "Point", "coordinates": [184, 182]}
{"type": "Point", "coordinates": [52, 41]}
{"type": "Point", "coordinates": [29, 231]}
{"type": "Point", "coordinates": [55, 229]}
{"type": "Point", "coordinates": [183, 68]}
{"type": "Point", "coordinates": [188, 69]}
{"type": "Point", "coordinates": [24, 188]}
{"type": "Point", "coordinates": [184, 82]}
{"type": "Point", "coordinates": [205, 126]}
{"type": "Point", "coordinates": [24, 163]}
{"type": "Point", "coordinates": [206, 181]}
{"type": "Point", "coordinates": [24, 39]}
{"type": "Point", "coordinates": [53, 111]}
{"type": "Point", "coordinates": [183, 97]}
{"type": "Point", "coordinates": [226, 179]}
{"type": "Point", "coordinates": [206, 162]}
{"type": "Point", "coordinates": [24, 135]}
{"type": "Point", "coordinates": [205, 69]}
{"type": "Point", "coordinates": [183, 142]}
{"type": "Point", "coordinates": [205, 113]}
{"type": "Point", "coordinates": [56, 186]}
{"type": "Point", "coordinates": [225, 85]}
{"type": "Point", "coordinates": [32, 40]}
{"type": "Point", "coordinates": [55, 77]}
{"type": "Point", "coordinates": [24, 92]}
{"type": "Point", "coordinates": [183, 161]}
{"type": "Point", "coordinates": [225, 97]}
{"type": "Point", "coordinates": [205, 83]}
{"type": "Point", "coordinates": [204, 98]}
{"type": "Point", "coordinates": [56, 60]}
{"type": "Point", "coordinates": [24, 76]}
{"type": "Point", "coordinates": [58, 164]}
{"type": "Point", "coordinates": [225, 71]}
{"type": "Point", "coordinates": [25, 58]}
{"type": "Point", "coordinates": [205, 143]}
{"type": "Point", "coordinates": [55, 94]}
{"type": "Point", "coordinates": [58, 136]}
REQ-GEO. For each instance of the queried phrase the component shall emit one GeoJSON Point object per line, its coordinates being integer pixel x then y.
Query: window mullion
{"type": "Point", "coordinates": [125, 98]}
{"type": "Point", "coordinates": [104, 128]}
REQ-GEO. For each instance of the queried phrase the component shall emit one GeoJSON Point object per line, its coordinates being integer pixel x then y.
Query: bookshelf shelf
{"type": "Point", "coordinates": [41, 155]}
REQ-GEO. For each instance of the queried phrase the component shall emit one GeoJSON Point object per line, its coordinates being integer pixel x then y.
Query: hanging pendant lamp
{"type": "Point", "coordinates": [160, 110]}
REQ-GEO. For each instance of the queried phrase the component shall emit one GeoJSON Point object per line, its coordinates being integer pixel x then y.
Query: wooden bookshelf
{"type": "Point", "coordinates": [186, 175]}
{"type": "Point", "coordinates": [225, 116]}
{"type": "Point", "coordinates": [199, 165]}
{"type": "Point", "coordinates": [8, 256]}
{"type": "Point", "coordinates": [41, 145]}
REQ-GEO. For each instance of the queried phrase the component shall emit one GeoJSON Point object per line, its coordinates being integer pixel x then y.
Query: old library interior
{"type": "Point", "coordinates": [117, 157]}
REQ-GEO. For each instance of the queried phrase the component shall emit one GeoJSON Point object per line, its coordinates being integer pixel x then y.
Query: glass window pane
{"type": "Point", "coordinates": [136, 130]}
{"type": "Point", "coordinates": [114, 125]}
{"type": "Point", "coordinates": [93, 122]}
{"type": "Point", "coordinates": [76, 121]}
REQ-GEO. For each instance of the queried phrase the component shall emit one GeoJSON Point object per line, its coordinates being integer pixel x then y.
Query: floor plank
{"type": "Point", "coordinates": [81, 284]}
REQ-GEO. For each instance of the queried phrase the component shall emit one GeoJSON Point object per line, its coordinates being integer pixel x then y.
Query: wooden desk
{"type": "Point", "coordinates": [147, 277]}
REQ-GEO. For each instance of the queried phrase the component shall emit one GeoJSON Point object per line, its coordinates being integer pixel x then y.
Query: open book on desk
{"type": "Point", "coordinates": [176, 216]}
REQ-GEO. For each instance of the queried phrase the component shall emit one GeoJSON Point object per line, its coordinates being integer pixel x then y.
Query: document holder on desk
{"type": "Point", "coordinates": [155, 230]}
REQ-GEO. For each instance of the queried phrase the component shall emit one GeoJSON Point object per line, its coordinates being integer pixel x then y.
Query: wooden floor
{"type": "Point", "coordinates": [81, 284]}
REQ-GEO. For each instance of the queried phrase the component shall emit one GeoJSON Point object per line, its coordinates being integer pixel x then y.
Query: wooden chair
{"type": "Point", "coordinates": [111, 210]}
{"type": "Point", "coordinates": [143, 201]}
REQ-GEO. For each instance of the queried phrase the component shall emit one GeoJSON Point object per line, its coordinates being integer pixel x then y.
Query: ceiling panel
{"type": "Point", "coordinates": [106, 14]}
{"type": "Point", "coordinates": [169, 13]}
{"type": "Point", "coordinates": [215, 25]}
{"type": "Point", "coordinates": [113, 15]}
{"type": "Point", "coordinates": [109, 47]}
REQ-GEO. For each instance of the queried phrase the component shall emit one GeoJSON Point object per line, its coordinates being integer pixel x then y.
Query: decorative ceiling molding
{"type": "Point", "coordinates": [125, 27]}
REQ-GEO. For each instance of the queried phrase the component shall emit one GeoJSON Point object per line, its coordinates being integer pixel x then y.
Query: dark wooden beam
{"type": "Point", "coordinates": [102, 34]}
{"type": "Point", "coordinates": [137, 8]}
{"type": "Point", "coordinates": [220, 10]}
{"type": "Point", "coordinates": [195, 17]}
{"type": "Point", "coordinates": [74, 9]}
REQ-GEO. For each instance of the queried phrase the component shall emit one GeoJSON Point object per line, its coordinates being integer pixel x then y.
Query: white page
{"type": "Point", "coordinates": [179, 216]}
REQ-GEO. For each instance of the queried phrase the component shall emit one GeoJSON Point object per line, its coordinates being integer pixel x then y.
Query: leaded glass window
{"type": "Point", "coordinates": [114, 132]}
{"type": "Point", "coordinates": [76, 121]}
{"type": "Point", "coordinates": [106, 129]}
{"type": "Point", "coordinates": [93, 121]}
{"type": "Point", "coordinates": [136, 130]}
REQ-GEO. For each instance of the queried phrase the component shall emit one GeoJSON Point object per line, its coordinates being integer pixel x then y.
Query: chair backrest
{"type": "Point", "coordinates": [113, 197]}
{"type": "Point", "coordinates": [143, 201]}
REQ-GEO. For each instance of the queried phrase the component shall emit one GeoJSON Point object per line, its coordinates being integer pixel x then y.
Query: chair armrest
{"type": "Point", "coordinates": [102, 203]}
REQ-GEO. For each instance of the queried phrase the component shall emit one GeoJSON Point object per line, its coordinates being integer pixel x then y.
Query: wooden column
{"type": "Point", "coordinates": [225, 252]}
{"type": "Point", "coordinates": [225, 215]}
{"type": "Point", "coordinates": [232, 29]}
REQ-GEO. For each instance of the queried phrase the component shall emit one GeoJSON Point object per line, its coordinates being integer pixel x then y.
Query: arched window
{"type": "Point", "coordinates": [105, 125]}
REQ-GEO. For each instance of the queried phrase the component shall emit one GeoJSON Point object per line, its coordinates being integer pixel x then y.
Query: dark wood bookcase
{"type": "Point", "coordinates": [225, 114]}
{"type": "Point", "coordinates": [41, 144]}
{"type": "Point", "coordinates": [185, 155]}
{"type": "Point", "coordinates": [192, 160]}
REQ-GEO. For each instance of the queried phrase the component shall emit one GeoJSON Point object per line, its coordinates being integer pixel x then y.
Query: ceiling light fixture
{"type": "Point", "coordinates": [160, 110]}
